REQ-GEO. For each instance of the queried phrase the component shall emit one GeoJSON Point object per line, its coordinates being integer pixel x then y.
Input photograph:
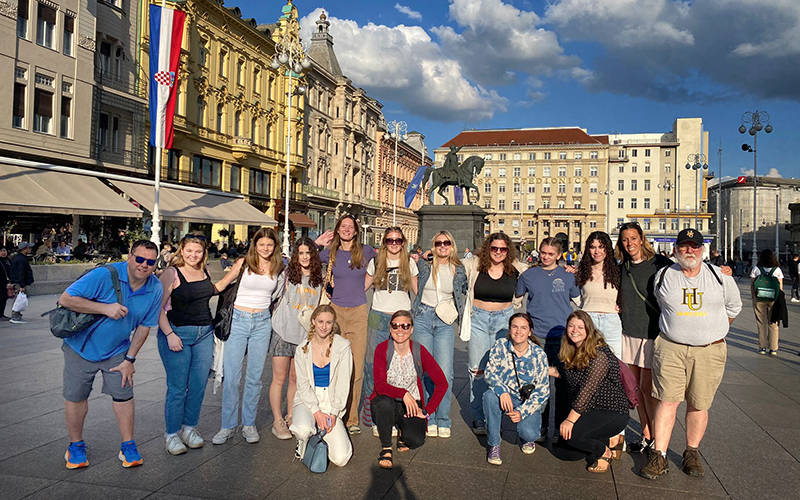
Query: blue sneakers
{"type": "Point", "coordinates": [129, 455]}
{"type": "Point", "coordinates": [76, 456]}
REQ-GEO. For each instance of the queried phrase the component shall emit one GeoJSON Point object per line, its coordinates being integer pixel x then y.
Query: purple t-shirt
{"type": "Point", "coordinates": [349, 283]}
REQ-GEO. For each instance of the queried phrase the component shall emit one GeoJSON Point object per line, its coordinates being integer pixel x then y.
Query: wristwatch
{"type": "Point", "coordinates": [130, 358]}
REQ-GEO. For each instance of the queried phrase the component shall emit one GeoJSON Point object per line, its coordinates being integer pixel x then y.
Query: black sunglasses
{"type": "Point", "coordinates": [499, 249]}
{"type": "Point", "coordinates": [397, 326]}
{"type": "Point", "coordinates": [393, 241]}
{"type": "Point", "coordinates": [195, 237]}
{"type": "Point", "coordinates": [141, 260]}
{"type": "Point", "coordinates": [445, 243]}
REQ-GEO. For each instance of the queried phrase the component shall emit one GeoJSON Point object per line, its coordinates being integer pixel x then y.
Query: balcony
{"type": "Point", "coordinates": [618, 159]}
{"type": "Point", "coordinates": [321, 192]}
{"type": "Point", "coordinates": [293, 196]}
{"type": "Point", "coordinates": [371, 203]}
{"type": "Point", "coordinates": [107, 154]}
{"type": "Point", "coordinates": [241, 147]}
{"type": "Point", "coordinates": [125, 83]}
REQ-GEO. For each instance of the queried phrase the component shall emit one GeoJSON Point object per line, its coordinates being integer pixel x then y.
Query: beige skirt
{"type": "Point", "coordinates": [638, 352]}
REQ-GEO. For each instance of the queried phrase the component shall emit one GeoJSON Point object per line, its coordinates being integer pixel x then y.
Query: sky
{"type": "Point", "coordinates": [627, 66]}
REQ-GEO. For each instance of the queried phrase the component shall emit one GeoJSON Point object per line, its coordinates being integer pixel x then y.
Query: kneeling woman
{"type": "Point", "coordinates": [518, 386]}
{"type": "Point", "coordinates": [398, 398]}
{"type": "Point", "coordinates": [324, 364]}
{"type": "Point", "coordinates": [599, 406]}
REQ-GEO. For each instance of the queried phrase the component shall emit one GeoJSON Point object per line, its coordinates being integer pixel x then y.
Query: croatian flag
{"type": "Point", "coordinates": [166, 33]}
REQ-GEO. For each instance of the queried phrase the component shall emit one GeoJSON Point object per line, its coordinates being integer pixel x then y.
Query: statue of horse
{"type": "Point", "coordinates": [461, 176]}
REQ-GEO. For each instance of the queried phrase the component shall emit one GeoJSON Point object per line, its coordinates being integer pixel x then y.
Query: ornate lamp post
{"type": "Point", "coordinates": [696, 162]}
{"type": "Point", "coordinates": [397, 131]}
{"type": "Point", "coordinates": [667, 187]}
{"type": "Point", "coordinates": [758, 120]}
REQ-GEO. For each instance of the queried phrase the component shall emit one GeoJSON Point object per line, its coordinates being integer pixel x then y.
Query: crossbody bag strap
{"type": "Point", "coordinates": [117, 290]}
{"type": "Point", "coordinates": [516, 373]}
{"type": "Point", "coordinates": [636, 289]}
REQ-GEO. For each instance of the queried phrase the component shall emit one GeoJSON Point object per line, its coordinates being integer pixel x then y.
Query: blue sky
{"type": "Point", "coordinates": [627, 66]}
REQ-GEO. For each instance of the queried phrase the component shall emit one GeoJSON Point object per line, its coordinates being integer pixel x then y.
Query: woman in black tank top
{"type": "Point", "coordinates": [186, 341]}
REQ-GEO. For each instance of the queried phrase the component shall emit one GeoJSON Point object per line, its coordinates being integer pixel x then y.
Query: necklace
{"type": "Point", "coordinates": [550, 273]}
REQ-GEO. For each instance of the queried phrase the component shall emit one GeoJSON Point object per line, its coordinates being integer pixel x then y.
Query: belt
{"type": "Point", "coordinates": [720, 341]}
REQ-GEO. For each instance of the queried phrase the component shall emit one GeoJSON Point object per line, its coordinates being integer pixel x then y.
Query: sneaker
{"type": "Point", "coordinates": [18, 321]}
{"type": "Point", "coordinates": [762, 351]}
{"type": "Point", "coordinates": [191, 438]}
{"type": "Point", "coordinates": [494, 455]}
{"type": "Point", "coordinates": [479, 429]}
{"type": "Point", "coordinates": [223, 435]}
{"type": "Point", "coordinates": [641, 445]}
{"type": "Point", "coordinates": [773, 353]}
{"type": "Point", "coordinates": [280, 430]}
{"type": "Point", "coordinates": [353, 429]}
{"type": "Point", "coordinates": [129, 455]}
{"type": "Point", "coordinates": [376, 434]}
{"type": "Point", "coordinates": [795, 299]}
{"type": "Point", "coordinates": [433, 431]}
{"type": "Point", "coordinates": [444, 432]}
{"type": "Point", "coordinates": [657, 466]}
{"type": "Point", "coordinates": [529, 448]}
{"type": "Point", "coordinates": [174, 445]}
{"type": "Point", "coordinates": [76, 455]}
{"type": "Point", "coordinates": [691, 463]}
{"type": "Point", "coordinates": [250, 434]}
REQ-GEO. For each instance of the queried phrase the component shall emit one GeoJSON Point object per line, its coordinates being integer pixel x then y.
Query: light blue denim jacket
{"type": "Point", "coordinates": [532, 369]}
{"type": "Point", "coordinates": [459, 286]}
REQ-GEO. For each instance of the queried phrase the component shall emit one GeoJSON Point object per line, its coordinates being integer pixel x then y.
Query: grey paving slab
{"type": "Point", "coordinates": [638, 492]}
{"type": "Point", "coordinates": [166, 496]}
{"type": "Point", "coordinates": [16, 487]}
{"type": "Point", "coordinates": [428, 480]}
{"type": "Point", "coordinates": [66, 489]}
{"type": "Point", "coordinates": [47, 461]}
{"type": "Point", "coordinates": [788, 439]}
{"type": "Point", "coordinates": [522, 485]}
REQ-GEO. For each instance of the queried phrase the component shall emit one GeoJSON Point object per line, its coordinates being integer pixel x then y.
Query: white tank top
{"type": "Point", "coordinates": [255, 290]}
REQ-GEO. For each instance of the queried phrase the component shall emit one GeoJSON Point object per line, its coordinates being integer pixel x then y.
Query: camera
{"type": "Point", "coordinates": [329, 288]}
{"type": "Point", "coordinates": [525, 391]}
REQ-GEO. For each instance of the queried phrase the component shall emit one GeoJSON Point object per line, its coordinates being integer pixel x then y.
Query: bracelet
{"type": "Point", "coordinates": [570, 421]}
{"type": "Point", "coordinates": [170, 333]}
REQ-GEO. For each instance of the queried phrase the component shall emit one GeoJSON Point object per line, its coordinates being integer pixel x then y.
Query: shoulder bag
{"type": "Point", "coordinates": [629, 384]}
{"type": "Point", "coordinates": [316, 455]}
{"type": "Point", "coordinates": [224, 316]}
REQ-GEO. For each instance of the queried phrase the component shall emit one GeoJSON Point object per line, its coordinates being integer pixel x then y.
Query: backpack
{"type": "Point", "coordinates": [766, 286]}
{"type": "Point", "coordinates": [663, 271]}
{"type": "Point", "coordinates": [416, 353]}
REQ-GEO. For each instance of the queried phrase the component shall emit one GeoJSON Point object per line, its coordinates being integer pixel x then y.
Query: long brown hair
{"type": "Point", "coordinates": [356, 251]}
{"type": "Point", "coordinates": [381, 266]}
{"type": "Point", "coordinates": [324, 308]}
{"type": "Point", "coordinates": [193, 237]}
{"type": "Point", "coordinates": [294, 271]}
{"type": "Point", "coordinates": [484, 254]}
{"type": "Point", "coordinates": [622, 254]}
{"type": "Point", "coordinates": [452, 259]}
{"type": "Point", "coordinates": [578, 358]}
{"type": "Point", "coordinates": [251, 260]}
{"type": "Point", "coordinates": [610, 267]}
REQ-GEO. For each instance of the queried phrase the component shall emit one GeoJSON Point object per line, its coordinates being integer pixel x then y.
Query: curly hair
{"type": "Point", "coordinates": [324, 308]}
{"type": "Point", "coordinates": [578, 358]}
{"type": "Point", "coordinates": [485, 259]}
{"type": "Point", "coordinates": [294, 271]}
{"type": "Point", "coordinates": [381, 265]}
{"type": "Point", "coordinates": [610, 267]}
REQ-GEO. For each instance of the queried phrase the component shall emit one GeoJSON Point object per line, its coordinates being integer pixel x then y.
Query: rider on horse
{"type": "Point", "coordinates": [450, 169]}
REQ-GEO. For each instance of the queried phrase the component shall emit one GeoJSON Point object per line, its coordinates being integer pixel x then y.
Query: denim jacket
{"type": "Point", "coordinates": [532, 369]}
{"type": "Point", "coordinates": [459, 286]}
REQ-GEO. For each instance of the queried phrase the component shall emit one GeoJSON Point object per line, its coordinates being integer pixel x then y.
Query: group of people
{"type": "Point", "coordinates": [388, 365]}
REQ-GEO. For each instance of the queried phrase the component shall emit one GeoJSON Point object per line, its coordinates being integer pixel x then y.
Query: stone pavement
{"type": "Point", "coordinates": [751, 449]}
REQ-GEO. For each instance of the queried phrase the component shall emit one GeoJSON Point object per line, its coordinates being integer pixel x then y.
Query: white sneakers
{"type": "Point", "coordinates": [223, 435]}
{"type": "Point", "coordinates": [191, 438]}
{"type": "Point", "coordinates": [280, 430]}
{"type": "Point", "coordinates": [444, 432]}
{"type": "Point", "coordinates": [250, 434]}
{"type": "Point", "coordinates": [375, 431]}
{"type": "Point", "coordinates": [174, 445]}
{"type": "Point", "coordinates": [433, 431]}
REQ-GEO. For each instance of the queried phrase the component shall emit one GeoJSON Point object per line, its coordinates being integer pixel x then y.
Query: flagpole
{"type": "Point", "coordinates": [155, 228]}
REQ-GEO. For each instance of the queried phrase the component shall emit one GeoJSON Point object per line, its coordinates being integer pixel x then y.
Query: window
{"type": "Point", "coordinates": [634, 183]}
{"type": "Point", "coordinates": [105, 59]}
{"type": "Point", "coordinates": [487, 157]}
{"type": "Point", "coordinates": [220, 118]}
{"type": "Point", "coordinates": [115, 134]}
{"type": "Point", "coordinates": [593, 224]}
{"type": "Point", "coordinates": [254, 130]}
{"type": "Point", "coordinates": [237, 124]}
{"type": "Point", "coordinates": [173, 163]}
{"type": "Point", "coordinates": [620, 221]}
{"type": "Point", "coordinates": [700, 225]}
{"type": "Point", "coordinates": [42, 111]}
{"type": "Point", "coordinates": [667, 168]}
{"type": "Point", "coordinates": [662, 225]}
{"type": "Point", "coordinates": [562, 171]}
{"type": "Point", "coordinates": [578, 156]}
{"type": "Point", "coordinates": [517, 156]}
{"type": "Point", "coordinates": [646, 224]}
{"type": "Point", "coordinates": [547, 156]}
{"type": "Point", "coordinates": [647, 184]}
{"type": "Point", "coordinates": [501, 222]}
{"type": "Point", "coordinates": [517, 189]}
{"type": "Point", "coordinates": [673, 225]}
{"type": "Point", "coordinates": [667, 204]}
{"type": "Point", "coordinates": [647, 152]}
{"type": "Point", "coordinates": [577, 189]}
{"type": "Point", "coordinates": [259, 182]}
{"type": "Point", "coordinates": [686, 225]}
{"type": "Point", "coordinates": [43, 80]}
{"type": "Point", "coordinates": [515, 223]}
{"type": "Point", "coordinates": [576, 204]}
{"type": "Point", "coordinates": [18, 119]}
{"type": "Point", "coordinates": [620, 185]}
{"type": "Point", "coordinates": [531, 156]}
{"type": "Point", "coordinates": [103, 131]}
{"type": "Point", "coordinates": [501, 172]}
{"type": "Point", "coordinates": [546, 171]}
{"type": "Point", "coordinates": [634, 168]}
{"type": "Point", "coordinates": [501, 188]}
{"type": "Point", "coordinates": [22, 18]}
{"type": "Point", "coordinates": [239, 72]}
{"type": "Point", "coordinates": [515, 206]}
{"type": "Point", "coordinates": [667, 153]}
{"type": "Point", "coordinates": [203, 53]}
{"type": "Point", "coordinates": [501, 205]}
{"type": "Point", "coordinates": [271, 90]}
{"type": "Point", "coordinates": [562, 188]}
{"type": "Point", "coordinates": [517, 171]}
{"type": "Point", "coordinates": [562, 155]}
{"type": "Point", "coordinates": [620, 202]}
{"type": "Point", "coordinates": [546, 203]}
{"type": "Point", "coordinates": [592, 171]}
{"type": "Point", "coordinates": [206, 171]}
{"type": "Point", "coordinates": [562, 204]}
{"type": "Point", "coordinates": [487, 204]}
{"type": "Point", "coordinates": [531, 171]}
{"type": "Point", "coordinates": [236, 178]}
{"type": "Point", "coordinates": [487, 172]}
{"type": "Point", "coordinates": [21, 73]}
{"type": "Point", "coordinates": [647, 203]}
{"type": "Point", "coordinates": [621, 153]}
{"type": "Point", "coordinates": [66, 87]}
{"type": "Point", "coordinates": [647, 167]}
{"type": "Point", "coordinates": [502, 157]}
{"type": "Point", "coordinates": [546, 188]}
{"type": "Point", "coordinates": [531, 188]}
{"type": "Point", "coordinates": [634, 203]}
{"type": "Point", "coordinates": [531, 223]}
{"type": "Point", "coordinates": [634, 152]}
{"type": "Point", "coordinates": [201, 112]}
{"type": "Point", "coordinates": [531, 207]}
{"type": "Point", "coordinates": [593, 187]}
{"type": "Point", "coordinates": [622, 169]}
{"type": "Point", "coordinates": [593, 206]}
{"type": "Point", "coordinates": [46, 27]}
{"type": "Point", "coordinates": [66, 113]}
{"type": "Point", "coordinates": [487, 188]}
{"type": "Point", "coordinates": [593, 155]}
{"type": "Point", "coordinates": [223, 60]}
{"type": "Point", "coordinates": [69, 35]}
{"type": "Point", "coordinates": [257, 80]}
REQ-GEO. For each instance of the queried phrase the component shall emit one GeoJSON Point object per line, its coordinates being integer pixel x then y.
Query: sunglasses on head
{"type": "Point", "coordinates": [400, 326]}
{"type": "Point", "coordinates": [499, 249]}
{"type": "Point", "coordinates": [393, 241]}
{"type": "Point", "coordinates": [142, 260]}
{"type": "Point", "coordinates": [195, 237]}
{"type": "Point", "coordinates": [445, 243]}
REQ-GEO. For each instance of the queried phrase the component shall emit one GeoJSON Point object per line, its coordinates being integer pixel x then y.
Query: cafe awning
{"type": "Point", "coordinates": [302, 220]}
{"type": "Point", "coordinates": [188, 204]}
{"type": "Point", "coordinates": [41, 190]}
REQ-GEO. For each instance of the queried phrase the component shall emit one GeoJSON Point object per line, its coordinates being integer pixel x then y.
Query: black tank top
{"type": "Point", "coordinates": [190, 302]}
{"type": "Point", "coordinates": [489, 289]}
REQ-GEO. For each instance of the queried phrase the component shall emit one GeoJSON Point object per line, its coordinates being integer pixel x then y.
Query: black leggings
{"type": "Point", "coordinates": [590, 435]}
{"type": "Point", "coordinates": [387, 412]}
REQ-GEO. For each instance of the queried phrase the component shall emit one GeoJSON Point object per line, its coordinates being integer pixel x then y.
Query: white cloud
{"type": "Point", "coordinates": [404, 9]}
{"type": "Point", "coordinates": [402, 64]}
{"type": "Point", "coordinates": [773, 172]}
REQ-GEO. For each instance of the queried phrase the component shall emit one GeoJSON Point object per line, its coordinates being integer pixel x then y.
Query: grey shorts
{"type": "Point", "coordinates": [280, 348]}
{"type": "Point", "coordinates": [79, 376]}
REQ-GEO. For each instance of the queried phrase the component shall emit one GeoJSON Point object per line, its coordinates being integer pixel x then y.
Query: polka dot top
{"type": "Point", "coordinates": [598, 387]}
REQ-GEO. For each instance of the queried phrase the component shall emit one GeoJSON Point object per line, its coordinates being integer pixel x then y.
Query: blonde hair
{"type": "Point", "coordinates": [324, 308]}
{"type": "Point", "coordinates": [452, 259]}
{"type": "Point", "coordinates": [251, 260]}
{"type": "Point", "coordinates": [193, 237]}
{"type": "Point", "coordinates": [381, 266]}
{"type": "Point", "coordinates": [575, 357]}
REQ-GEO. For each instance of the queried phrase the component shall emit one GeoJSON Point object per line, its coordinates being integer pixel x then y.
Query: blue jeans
{"type": "Point", "coordinates": [439, 339]}
{"type": "Point", "coordinates": [187, 374]}
{"type": "Point", "coordinates": [610, 325]}
{"type": "Point", "coordinates": [487, 327]}
{"type": "Point", "coordinates": [250, 332]}
{"type": "Point", "coordinates": [528, 428]}
{"type": "Point", "coordinates": [377, 332]}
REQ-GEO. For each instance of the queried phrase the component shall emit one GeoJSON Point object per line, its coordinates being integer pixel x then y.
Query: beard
{"type": "Point", "coordinates": [688, 261]}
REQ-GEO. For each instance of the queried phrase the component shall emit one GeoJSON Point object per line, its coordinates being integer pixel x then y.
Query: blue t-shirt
{"type": "Point", "coordinates": [111, 337]}
{"type": "Point", "coordinates": [548, 299]}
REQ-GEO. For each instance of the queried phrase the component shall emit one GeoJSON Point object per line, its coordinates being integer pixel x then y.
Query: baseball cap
{"type": "Point", "coordinates": [692, 235]}
{"type": "Point", "coordinates": [24, 244]}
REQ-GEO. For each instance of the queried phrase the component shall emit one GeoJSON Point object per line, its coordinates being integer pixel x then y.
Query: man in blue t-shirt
{"type": "Point", "coordinates": [109, 347]}
{"type": "Point", "coordinates": [550, 288]}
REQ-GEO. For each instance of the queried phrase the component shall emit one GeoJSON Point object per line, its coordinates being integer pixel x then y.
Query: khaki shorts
{"type": "Point", "coordinates": [686, 372]}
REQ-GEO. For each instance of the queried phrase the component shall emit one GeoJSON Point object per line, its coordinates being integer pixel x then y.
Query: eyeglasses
{"type": "Point", "coordinates": [499, 249]}
{"type": "Point", "coordinates": [401, 326]}
{"type": "Point", "coordinates": [141, 260]}
{"type": "Point", "coordinates": [445, 243]}
{"type": "Point", "coordinates": [393, 241]}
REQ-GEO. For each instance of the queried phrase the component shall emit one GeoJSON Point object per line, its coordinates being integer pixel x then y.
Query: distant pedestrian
{"type": "Point", "coordinates": [768, 330]}
{"type": "Point", "coordinates": [20, 276]}
{"type": "Point", "coordinates": [794, 272]}
{"type": "Point", "coordinates": [717, 259]}
{"type": "Point", "coordinates": [467, 253]}
{"type": "Point", "coordinates": [6, 289]}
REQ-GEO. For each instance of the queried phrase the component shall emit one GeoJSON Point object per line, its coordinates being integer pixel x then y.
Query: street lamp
{"type": "Point", "coordinates": [397, 131]}
{"type": "Point", "coordinates": [759, 120]}
{"type": "Point", "coordinates": [667, 187]}
{"type": "Point", "coordinates": [289, 53]}
{"type": "Point", "coordinates": [696, 162]}
{"type": "Point", "coordinates": [608, 192]}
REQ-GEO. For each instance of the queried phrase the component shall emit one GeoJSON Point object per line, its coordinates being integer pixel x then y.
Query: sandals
{"type": "Point", "coordinates": [616, 451]}
{"type": "Point", "coordinates": [402, 447]}
{"type": "Point", "coordinates": [385, 459]}
{"type": "Point", "coordinates": [596, 469]}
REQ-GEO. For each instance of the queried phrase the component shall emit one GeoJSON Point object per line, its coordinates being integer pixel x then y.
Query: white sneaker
{"type": "Point", "coordinates": [795, 299]}
{"type": "Point", "coordinates": [250, 434]}
{"type": "Point", "coordinates": [174, 445]}
{"type": "Point", "coordinates": [433, 431]}
{"type": "Point", "coordinates": [223, 435]}
{"type": "Point", "coordinates": [19, 321]}
{"type": "Point", "coordinates": [191, 438]}
{"type": "Point", "coordinates": [529, 448]}
{"type": "Point", "coordinates": [375, 431]}
{"type": "Point", "coordinates": [444, 432]}
{"type": "Point", "coordinates": [280, 430]}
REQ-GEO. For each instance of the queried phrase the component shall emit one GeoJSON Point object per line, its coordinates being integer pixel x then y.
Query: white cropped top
{"type": "Point", "coordinates": [255, 290]}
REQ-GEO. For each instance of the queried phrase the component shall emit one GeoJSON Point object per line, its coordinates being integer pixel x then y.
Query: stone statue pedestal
{"type": "Point", "coordinates": [465, 223]}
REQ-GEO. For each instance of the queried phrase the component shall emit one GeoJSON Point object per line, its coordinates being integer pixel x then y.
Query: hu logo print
{"type": "Point", "coordinates": [693, 300]}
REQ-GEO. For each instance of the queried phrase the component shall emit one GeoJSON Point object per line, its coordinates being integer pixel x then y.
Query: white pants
{"type": "Point", "coordinates": [304, 426]}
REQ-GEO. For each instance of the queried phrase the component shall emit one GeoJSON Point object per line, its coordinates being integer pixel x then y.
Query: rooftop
{"type": "Point", "coordinates": [523, 137]}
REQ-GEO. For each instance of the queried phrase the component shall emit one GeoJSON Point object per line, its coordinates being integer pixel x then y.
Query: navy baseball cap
{"type": "Point", "coordinates": [688, 235]}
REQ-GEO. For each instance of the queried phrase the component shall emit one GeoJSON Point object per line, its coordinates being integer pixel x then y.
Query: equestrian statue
{"type": "Point", "coordinates": [453, 174]}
